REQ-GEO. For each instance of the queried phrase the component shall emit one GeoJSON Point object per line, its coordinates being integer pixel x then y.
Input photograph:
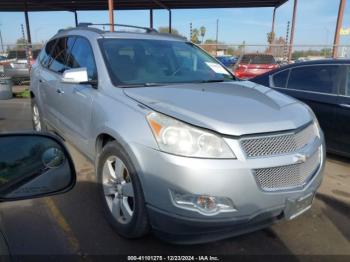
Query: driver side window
{"type": "Point", "coordinates": [82, 55]}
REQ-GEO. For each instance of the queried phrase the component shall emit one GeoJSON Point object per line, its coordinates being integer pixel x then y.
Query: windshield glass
{"type": "Point", "coordinates": [142, 62]}
{"type": "Point", "coordinates": [258, 59]}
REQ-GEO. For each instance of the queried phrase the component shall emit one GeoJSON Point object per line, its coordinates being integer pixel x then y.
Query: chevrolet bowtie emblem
{"type": "Point", "coordinates": [300, 158]}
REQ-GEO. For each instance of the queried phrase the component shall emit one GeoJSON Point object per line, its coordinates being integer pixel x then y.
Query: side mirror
{"type": "Point", "coordinates": [75, 76]}
{"type": "Point", "coordinates": [34, 165]}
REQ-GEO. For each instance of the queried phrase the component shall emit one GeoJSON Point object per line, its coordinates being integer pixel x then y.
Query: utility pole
{"type": "Point", "coordinates": [286, 42]}
{"type": "Point", "coordinates": [1, 42]}
{"type": "Point", "coordinates": [338, 27]}
{"type": "Point", "coordinates": [191, 31]}
{"type": "Point", "coordinates": [217, 36]}
{"type": "Point", "coordinates": [26, 46]}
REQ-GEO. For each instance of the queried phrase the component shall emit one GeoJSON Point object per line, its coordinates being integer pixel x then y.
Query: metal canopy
{"type": "Point", "coordinates": [73, 5]}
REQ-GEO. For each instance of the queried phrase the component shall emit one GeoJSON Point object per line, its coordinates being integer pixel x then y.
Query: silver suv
{"type": "Point", "coordinates": [179, 146]}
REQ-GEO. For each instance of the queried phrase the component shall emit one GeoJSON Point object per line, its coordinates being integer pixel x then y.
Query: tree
{"type": "Point", "coordinates": [202, 30]}
{"type": "Point", "coordinates": [165, 30]}
{"type": "Point", "coordinates": [195, 36]}
{"type": "Point", "coordinates": [210, 41]}
{"type": "Point", "coordinates": [271, 37]}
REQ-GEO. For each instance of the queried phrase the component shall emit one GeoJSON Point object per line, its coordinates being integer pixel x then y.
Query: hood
{"type": "Point", "coordinates": [231, 108]}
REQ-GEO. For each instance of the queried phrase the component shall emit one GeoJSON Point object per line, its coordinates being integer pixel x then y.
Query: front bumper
{"type": "Point", "coordinates": [183, 230]}
{"type": "Point", "coordinates": [230, 178]}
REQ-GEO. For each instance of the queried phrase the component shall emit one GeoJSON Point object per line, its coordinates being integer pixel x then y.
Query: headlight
{"type": "Point", "coordinates": [178, 138]}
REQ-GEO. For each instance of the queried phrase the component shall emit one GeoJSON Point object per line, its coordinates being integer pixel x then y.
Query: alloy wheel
{"type": "Point", "coordinates": [118, 189]}
{"type": "Point", "coordinates": [36, 118]}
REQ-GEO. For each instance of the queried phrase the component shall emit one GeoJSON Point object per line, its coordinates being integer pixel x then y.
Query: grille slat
{"type": "Point", "coordinates": [277, 144]}
{"type": "Point", "coordinates": [289, 176]}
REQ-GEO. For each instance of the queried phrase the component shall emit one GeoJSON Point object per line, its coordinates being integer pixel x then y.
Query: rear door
{"type": "Point", "coordinates": [51, 79]}
{"type": "Point", "coordinates": [343, 113]}
{"type": "Point", "coordinates": [317, 86]}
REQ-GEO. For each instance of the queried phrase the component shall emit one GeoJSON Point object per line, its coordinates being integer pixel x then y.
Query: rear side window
{"type": "Point", "coordinates": [280, 79]}
{"type": "Point", "coordinates": [82, 56]}
{"type": "Point", "coordinates": [59, 56]}
{"type": "Point", "coordinates": [44, 57]}
{"type": "Point", "coordinates": [347, 91]}
{"type": "Point", "coordinates": [258, 59]}
{"type": "Point", "coordinates": [17, 54]}
{"type": "Point", "coordinates": [321, 78]}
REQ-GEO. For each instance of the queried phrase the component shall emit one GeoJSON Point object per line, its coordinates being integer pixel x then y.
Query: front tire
{"type": "Point", "coordinates": [121, 192]}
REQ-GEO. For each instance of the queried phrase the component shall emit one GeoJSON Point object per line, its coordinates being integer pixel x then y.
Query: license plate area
{"type": "Point", "coordinates": [295, 207]}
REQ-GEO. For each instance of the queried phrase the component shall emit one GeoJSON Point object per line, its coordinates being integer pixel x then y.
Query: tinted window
{"type": "Point", "coordinates": [17, 54]}
{"type": "Point", "coordinates": [257, 59]}
{"type": "Point", "coordinates": [280, 79]}
{"type": "Point", "coordinates": [314, 78]}
{"type": "Point", "coordinates": [59, 56]}
{"type": "Point", "coordinates": [44, 56]}
{"type": "Point", "coordinates": [82, 56]}
{"type": "Point", "coordinates": [347, 91]}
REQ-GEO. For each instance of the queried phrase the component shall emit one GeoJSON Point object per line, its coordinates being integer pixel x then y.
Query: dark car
{"type": "Point", "coordinates": [325, 86]}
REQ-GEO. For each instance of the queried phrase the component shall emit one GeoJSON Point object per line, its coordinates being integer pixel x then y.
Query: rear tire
{"type": "Point", "coordinates": [121, 193]}
{"type": "Point", "coordinates": [37, 121]}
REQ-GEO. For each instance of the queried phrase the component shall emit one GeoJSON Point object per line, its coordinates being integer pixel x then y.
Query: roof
{"type": "Point", "coordinates": [320, 61]}
{"type": "Point", "coordinates": [313, 62]}
{"type": "Point", "coordinates": [72, 5]}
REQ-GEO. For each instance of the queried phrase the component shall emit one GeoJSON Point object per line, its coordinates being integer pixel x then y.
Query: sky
{"type": "Point", "coordinates": [315, 22]}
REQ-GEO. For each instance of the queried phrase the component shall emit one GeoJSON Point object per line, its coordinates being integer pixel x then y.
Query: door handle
{"type": "Point", "coordinates": [60, 91]}
{"type": "Point", "coordinates": [345, 105]}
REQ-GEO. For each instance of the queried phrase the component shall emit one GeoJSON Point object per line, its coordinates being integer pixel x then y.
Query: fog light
{"type": "Point", "coordinates": [208, 205]}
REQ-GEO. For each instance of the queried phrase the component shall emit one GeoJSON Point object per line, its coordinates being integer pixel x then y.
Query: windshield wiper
{"type": "Point", "coordinates": [140, 85]}
{"type": "Point", "coordinates": [212, 81]}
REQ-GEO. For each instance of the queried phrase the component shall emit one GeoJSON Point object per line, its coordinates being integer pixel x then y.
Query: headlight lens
{"type": "Point", "coordinates": [178, 138]}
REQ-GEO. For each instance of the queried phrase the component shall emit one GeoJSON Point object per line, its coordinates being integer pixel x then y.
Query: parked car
{"type": "Point", "coordinates": [228, 61]}
{"type": "Point", "coordinates": [180, 147]}
{"type": "Point", "coordinates": [16, 65]}
{"type": "Point", "coordinates": [325, 86]}
{"type": "Point", "coordinates": [32, 165]}
{"type": "Point", "coordinates": [252, 65]}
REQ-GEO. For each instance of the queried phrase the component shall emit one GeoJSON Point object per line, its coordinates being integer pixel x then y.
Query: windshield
{"type": "Point", "coordinates": [142, 62]}
{"type": "Point", "coordinates": [258, 59]}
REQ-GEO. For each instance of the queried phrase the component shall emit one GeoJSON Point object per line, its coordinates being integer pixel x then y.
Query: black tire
{"type": "Point", "coordinates": [42, 123]}
{"type": "Point", "coordinates": [138, 226]}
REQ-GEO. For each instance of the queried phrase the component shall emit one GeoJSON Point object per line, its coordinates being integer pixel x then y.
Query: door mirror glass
{"type": "Point", "coordinates": [75, 76]}
{"type": "Point", "coordinates": [33, 165]}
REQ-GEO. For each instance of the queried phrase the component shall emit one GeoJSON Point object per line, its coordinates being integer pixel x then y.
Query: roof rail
{"type": "Point", "coordinates": [147, 29]}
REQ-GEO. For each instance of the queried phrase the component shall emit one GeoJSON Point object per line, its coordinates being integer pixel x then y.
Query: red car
{"type": "Point", "coordinates": [252, 65]}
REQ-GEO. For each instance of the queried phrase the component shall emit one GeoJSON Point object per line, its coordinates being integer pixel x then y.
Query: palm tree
{"type": "Point", "coordinates": [202, 31]}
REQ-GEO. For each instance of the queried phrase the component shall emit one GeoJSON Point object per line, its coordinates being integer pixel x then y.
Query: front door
{"type": "Point", "coordinates": [77, 99]}
{"type": "Point", "coordinates": [343, 114]}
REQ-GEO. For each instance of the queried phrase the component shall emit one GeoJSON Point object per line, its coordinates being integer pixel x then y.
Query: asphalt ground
{"type": "Point", "coordinates": [73, 223]}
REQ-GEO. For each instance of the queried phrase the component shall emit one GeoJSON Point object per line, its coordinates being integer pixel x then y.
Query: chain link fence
{"type": "Point", "coordinates": [279, 51]}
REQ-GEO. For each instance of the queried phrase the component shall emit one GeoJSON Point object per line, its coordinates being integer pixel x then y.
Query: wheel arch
{"type": "Point", "coordinates": [109, 135]}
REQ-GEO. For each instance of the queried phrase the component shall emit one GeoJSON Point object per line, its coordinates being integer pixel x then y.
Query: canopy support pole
{"type": "Point", "coordinates": [338, 27]}
{"type": "Point", "coordinates": [111, 15]}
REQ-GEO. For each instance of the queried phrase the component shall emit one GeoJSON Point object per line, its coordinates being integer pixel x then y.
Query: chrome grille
{"type": "Point", "coordinates": [263, 146]}
{"type": "Point", "coordinates": [289, 176]}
